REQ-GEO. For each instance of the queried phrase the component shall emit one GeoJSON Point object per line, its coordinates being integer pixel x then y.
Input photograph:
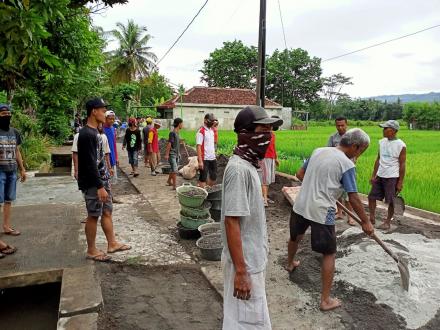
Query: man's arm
{"type": "Point", "coordinates": [376, 167]}
{"type": "Point", "coordinates": [402, 169]}
{"type": "Point", "coordinates": [20, 164]}
{"type": "Point", "coordinates": [358, 207]}
{"type": "Point", "coordinates": [242, 282]}
{"type": "Point", "coordinates": [302, 171]}
{"type": "Point", "coordinates": [75, 164]}
{"type": "Point", "coordinates": [330, 141]}
{"type": "Point", "coordinates": [199, 141]}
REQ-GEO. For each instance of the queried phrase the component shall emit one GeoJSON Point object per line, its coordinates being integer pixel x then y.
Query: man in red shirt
{"type": "Point", "coordinates": [153, 147]}
{"type": "Point", "coordinates": [269, 164]}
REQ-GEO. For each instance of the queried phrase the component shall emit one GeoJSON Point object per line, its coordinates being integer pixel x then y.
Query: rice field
{"type": "Point", "coordinates": [422, 181]}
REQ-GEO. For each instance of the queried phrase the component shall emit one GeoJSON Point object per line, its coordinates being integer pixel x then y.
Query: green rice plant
{"type": "Point", "coordinates": [422, 180]}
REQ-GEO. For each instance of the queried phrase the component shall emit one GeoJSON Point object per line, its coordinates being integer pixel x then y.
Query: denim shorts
{"type": "Point", "coordinates": [173, 163]}
{"type": "Point", "coordinates": [8, 186]}
{"type": "Point", "coordinates": [133, 157]}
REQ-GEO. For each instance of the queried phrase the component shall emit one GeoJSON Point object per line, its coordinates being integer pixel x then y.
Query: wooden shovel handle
{"type": "Point", "coordinates": [373, 236]}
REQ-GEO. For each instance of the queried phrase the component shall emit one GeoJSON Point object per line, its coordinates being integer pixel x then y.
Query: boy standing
{"type": "Point", "coordinates": [10, 159]}
{"type": "Point", "coordinates": [133, 142]}
{"type": "Point", "coordinates": [205, 140]}
{"type": "Point", "coordinates": [172, 153]}
{"type": "Point", "coordinates": [93, 181]}
{"type": "Point", "coordinates": [153, 147]}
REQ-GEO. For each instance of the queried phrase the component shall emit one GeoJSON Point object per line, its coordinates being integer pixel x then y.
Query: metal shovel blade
{"type": "Point", "coordinates": [399, 205]}
{"type": "Point", "coordinates": [404, 273]}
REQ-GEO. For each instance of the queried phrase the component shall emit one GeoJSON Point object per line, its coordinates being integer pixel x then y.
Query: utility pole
{"type": "Point", "coordinates": [261, 75]}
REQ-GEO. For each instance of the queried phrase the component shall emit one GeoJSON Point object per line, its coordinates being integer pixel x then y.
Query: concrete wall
{"type": "Point", "coordinates": [193, 115]}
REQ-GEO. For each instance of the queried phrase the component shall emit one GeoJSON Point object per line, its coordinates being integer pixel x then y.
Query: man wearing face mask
{"type": "Point", "coordinates": [205, 140]}
{"type": "Point", "coordinates": [243, 223]}
{"type": "Point", "coordinates": [10, 159]}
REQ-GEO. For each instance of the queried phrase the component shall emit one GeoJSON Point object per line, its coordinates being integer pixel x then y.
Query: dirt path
{"type": "Point", "coordinates": [138, 297]}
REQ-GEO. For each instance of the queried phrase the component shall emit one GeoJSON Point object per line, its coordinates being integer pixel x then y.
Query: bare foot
{"type": "Point", "coordinates": [351, 222]}
{"type": "Point", "coordinates": [295, 264]}
{"type": "Point", "coordinates": [330, 304]}
{"type": "Point", "coordinates": [339, 216]}
{"type": "Point", "coordinates": [384, 226]}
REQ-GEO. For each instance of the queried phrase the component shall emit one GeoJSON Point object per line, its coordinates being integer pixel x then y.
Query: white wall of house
{"type": "Point", "coordinates": [193, 114]}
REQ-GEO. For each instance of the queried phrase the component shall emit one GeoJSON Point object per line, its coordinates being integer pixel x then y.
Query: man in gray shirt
{"type": "Point", "coordinates": [325, 176]}
{"type": "Point", "coordinates": [243, 223]}
{"type": "Point", "coordinates": [341, 124]}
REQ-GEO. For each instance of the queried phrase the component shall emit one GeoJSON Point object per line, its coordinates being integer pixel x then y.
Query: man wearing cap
{"type": "Point", "coordinates": [389, 171]}
{"type": "Point", "coordinates": [10, 160]}
{"type": "Point", "coordinates": [153, 147]}
{"type": "Point", "coordinates": [243, 223]}
{"type": "Point", "coordinates": [145, 131]}
{"type": "Point", "coordinates": [93, 181]}
{"type": "Point", "coordinates": [269, 164]}
{"type": "Point", "coordinates": [205, 140]}
{"type": "Point", "coordinates": [110, 133]}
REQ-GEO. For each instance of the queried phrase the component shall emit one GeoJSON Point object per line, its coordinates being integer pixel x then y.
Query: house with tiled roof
{"type": "Point", "coordinates": [225, 103]}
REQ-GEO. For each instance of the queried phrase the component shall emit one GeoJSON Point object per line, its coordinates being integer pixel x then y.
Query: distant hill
{"type": "Point", "coordinates": [405, 98]}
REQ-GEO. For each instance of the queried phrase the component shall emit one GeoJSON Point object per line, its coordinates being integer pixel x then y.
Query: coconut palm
{"type": "Point", "coordinates": [133, 58]}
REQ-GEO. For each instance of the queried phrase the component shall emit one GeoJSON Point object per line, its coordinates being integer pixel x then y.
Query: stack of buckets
{"type": "Point", "coordinates": [215, 198]}
{"type": "Point", "coordinates": [194, 210]}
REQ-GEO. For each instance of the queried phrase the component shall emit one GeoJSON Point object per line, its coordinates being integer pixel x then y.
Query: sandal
{"type": "Point", "coordinates": [12, 232]}
{"type": "Point", "coordinates": [123, 247]}
{"type": "Point", "coordinates": [135, 175]}
{"type": "Point", "coordinates": [8, 249]}
{"type": "Point", "coordinates": [99, 257]}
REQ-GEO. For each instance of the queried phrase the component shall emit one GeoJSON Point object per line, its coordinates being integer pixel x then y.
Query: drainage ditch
{"type": "Point", "coordinates": [32, 307]}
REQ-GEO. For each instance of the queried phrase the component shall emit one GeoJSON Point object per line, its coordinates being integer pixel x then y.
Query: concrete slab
{"type": "Point", "coordinates": [79, 322]}
{"type": "Point", "coordinates": [50, 239]}
{"type": "Point", "coordinates": [31, 278]}
{"type": "Point", "coordinates": [80, 292]}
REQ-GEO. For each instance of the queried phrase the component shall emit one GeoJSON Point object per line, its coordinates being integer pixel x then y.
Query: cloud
{"type": "Point", "coordinates": [324, 28]}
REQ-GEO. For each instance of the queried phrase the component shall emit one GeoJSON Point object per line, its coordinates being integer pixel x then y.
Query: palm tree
{"type": "Point", "coordinates": [133, 58]}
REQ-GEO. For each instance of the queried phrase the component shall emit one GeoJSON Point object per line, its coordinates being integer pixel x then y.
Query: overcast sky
{"type": "Point", "coordinates": [325, 28]}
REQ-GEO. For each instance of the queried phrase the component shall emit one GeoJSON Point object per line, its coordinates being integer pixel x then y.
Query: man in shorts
{"type": "Point", "coordinates": [10, 161]}
{"type": "Point", "coordinates": [341, 124]}
{"type": "Point", "coordinates": [205, 140]}
{"type": "Point", "coordinates": [269, 163]}
{"type": "Point", "coordinates": [172, 153]}
{"type": "Point", "coordinates": [325, 176]}
{"type": "Point", "coordinates": [243, 223]}
{"type": "Point", "coordinates": [145, 133]}
{"type": "Point", "coordinates": [93, 181]}
{"type": "Point", "coordinates": [389, 172]}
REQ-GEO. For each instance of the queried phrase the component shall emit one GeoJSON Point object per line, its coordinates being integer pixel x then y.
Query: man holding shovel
{"type": "Point", "coordinates": [389, 171]}
{"type": "Point", "coordinates": [326, 175]}
{"type": "Point", "coordinates": [243, 223]}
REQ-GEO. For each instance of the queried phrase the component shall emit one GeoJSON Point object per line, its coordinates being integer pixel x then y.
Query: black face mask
{"type": "Point", "coordinates": [5, 122]}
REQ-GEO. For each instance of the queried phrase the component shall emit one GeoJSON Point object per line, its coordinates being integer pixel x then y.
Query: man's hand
{"type": "Point", "coordinates": [242, 285]}
{"type": "Point", "coordinates": [150, 148]}
{"type": "Point", "coordinates": [102, 195]}
{"type": "Point", "coordinates": [75, 174]}
{"type": "Point", "coordinates": [167, 157]}
{"type": "Point", "coordinates": [22, 175]}
{"type": "Point", "coordinates": [123, 147]}
{"type": "Point", "coordinates": [277, 162]}
{"type": "Point", "coordinates": [373, 180]}
{"type": "Point", "coordinates": [200, 165]}
{"type": "Point", "coordinates": [368, 228]}
{"type": "Point", "coordinates": [111, 172]}
{"type": "Point", "coordinates": [399, 187]}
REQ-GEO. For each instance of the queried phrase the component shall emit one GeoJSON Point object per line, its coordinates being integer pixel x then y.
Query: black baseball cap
{"type": "Point", "coordinates": [251, 115]}
{"type": "Point", "coordinates": [5, 107]}
{"type": "Point", "coordinates": [95, 104]}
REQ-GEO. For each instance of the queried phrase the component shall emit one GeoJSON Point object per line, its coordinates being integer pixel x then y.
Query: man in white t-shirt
{"type": "Point", "coordinates": [326, 175]}
{"type": "Point", "coordinates": [388, 173]}
{"type": "Point", "coordinates": [206, 157]}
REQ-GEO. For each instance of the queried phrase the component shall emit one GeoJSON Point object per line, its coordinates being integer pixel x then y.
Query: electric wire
{"type": "Point", "coordinates": [181, 35]}
{"type": "Point", "coordinates": [381, 43]}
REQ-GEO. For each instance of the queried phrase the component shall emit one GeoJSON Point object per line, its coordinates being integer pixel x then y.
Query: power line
{"type": "Point", "coordinates": [381, 43]}
{"type": "Point", "coordinates": [282, 24]}
{"type": "Point", "coordinates": [180, 36]}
